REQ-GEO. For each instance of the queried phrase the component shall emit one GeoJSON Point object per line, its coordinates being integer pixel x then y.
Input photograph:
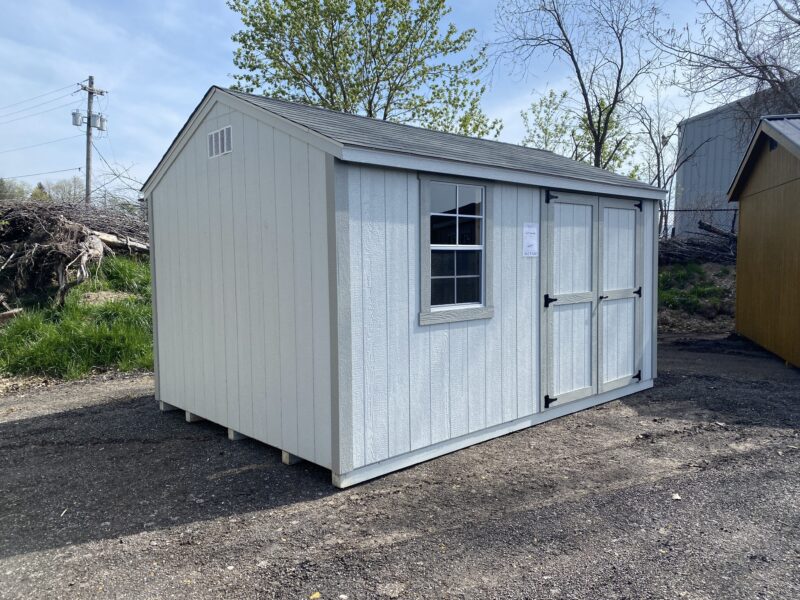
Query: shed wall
{"type": "Point", "coordinates": [241, 261]}
{"type": "Point", "coordinates": [408, 386]}
{"type": "Point", "coordinates": [768, 255]}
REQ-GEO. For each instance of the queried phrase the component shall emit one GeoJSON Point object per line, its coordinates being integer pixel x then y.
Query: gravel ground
{"type": "Point", "coordinates": [688, 490]}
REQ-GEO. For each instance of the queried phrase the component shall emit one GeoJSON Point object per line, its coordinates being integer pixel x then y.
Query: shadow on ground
{"type": "Point", "coordinates": [123, 467]}
{"type": "Point", "coordinates": [723, 379]}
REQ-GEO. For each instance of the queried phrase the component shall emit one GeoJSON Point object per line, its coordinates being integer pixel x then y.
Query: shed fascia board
{"type": "Point", "coordinates": [765, 128]}
{"type": "Point", "coordinates": [462, 169]}
{"type": "Point", "coordinates": [218, 95]}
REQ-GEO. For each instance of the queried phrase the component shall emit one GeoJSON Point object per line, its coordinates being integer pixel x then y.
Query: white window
{"type": "Point", "coordinates": [219, 142]}
{"type": "Point", "coordinates": [454, 253]}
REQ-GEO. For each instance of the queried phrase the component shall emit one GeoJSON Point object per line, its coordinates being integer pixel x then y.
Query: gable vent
{"type": "Point", "coordinates": [219, 142]}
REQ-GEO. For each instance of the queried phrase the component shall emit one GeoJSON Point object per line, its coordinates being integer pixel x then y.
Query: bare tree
{"type": "Point", "coordinates": [740, 47]}
{"type": "Point", "coordinates": [604, 43]}
{"type": "Point", "coordinates": [67, 190]}
{"type": "Point", "coordinates": [657, 121]}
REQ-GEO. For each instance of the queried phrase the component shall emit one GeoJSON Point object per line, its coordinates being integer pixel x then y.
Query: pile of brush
{"type": "Point", "coordinates": [714, 245]}
{"type": "Point", "coordinates": [49, 246]}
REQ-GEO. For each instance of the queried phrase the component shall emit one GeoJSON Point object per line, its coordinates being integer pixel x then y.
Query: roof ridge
{"type": "Point", "coordinates": [349, 114]}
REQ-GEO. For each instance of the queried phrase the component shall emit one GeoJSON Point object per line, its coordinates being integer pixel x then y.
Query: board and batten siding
{"type": "Point", "coordinates": [241, 257]}
{"type": "Point", "coordinates": [403, 386]}
{"type": "Point", "coordinates": [768, 254]}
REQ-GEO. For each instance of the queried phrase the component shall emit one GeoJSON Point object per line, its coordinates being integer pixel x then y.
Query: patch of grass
{"type": "Point", "coordinates": [688, 288]}
{"type": "Point", "coordinates": [72, 341]}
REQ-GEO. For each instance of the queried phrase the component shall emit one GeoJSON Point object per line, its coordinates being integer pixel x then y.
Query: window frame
{"type": "Point", "coordinates": [451, 313]}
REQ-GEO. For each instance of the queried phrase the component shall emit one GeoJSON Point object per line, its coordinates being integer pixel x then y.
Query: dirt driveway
{"type": "Point", "coordinates": [101, 496]}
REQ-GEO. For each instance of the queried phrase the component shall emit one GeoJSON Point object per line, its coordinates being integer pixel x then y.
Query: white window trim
{"type": "Point", "coordinates": [220, 142]}
{"type": "Point", "coordinates": [449, 313]}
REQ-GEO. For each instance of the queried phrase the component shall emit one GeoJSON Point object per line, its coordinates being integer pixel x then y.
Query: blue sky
{"type": "Point", "coordinates": [156, 59]}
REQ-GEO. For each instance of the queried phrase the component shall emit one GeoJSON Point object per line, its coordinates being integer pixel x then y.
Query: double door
{"type": "Point", "coordinates": [592, 306]}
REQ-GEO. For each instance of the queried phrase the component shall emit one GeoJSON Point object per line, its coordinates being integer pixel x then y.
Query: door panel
{"type": "Point", "coordinates": [573, 248]}
{"type": "Point", "coordinates": [617, 339]}
{"type": "Point", "coordinates": [619, 248]}
{"type": "Point", "coordinates": [572, 349]}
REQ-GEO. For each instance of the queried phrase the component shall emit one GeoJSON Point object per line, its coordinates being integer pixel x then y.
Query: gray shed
{"type": "Point", "coordinates": [366, 295]}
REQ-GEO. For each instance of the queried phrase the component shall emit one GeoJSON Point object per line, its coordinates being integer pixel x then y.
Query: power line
{"type": "Point", "coordinates": [42, 173]}
{"type": "Point", "coordinates": [66, 87]}
{"type": "Point", "coordinates": [42, 144]}
{"type": "Point", "coordinates": [27, 108]}
{"type": "Point", "coordinates": [41, 112]}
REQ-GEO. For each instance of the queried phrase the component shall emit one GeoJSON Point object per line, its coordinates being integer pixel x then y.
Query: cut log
{"type": "Point", "coordinates": [10, 314]}
{"type": "Point", "coordinates": [117, 243]}
{"type": "Point", "coordinates": [716, 230]}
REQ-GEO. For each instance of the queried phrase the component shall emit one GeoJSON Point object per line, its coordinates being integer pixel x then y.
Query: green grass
{"type": "Point", "coordinates": [72, 341]}
{"type": "Point", "coordinates": [688, 288]}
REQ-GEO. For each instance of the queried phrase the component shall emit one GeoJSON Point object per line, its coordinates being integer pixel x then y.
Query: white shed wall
{"type": "Point", "coordinates": [404, 386]}
{"type": "Point", "coordinates": [242, 284]}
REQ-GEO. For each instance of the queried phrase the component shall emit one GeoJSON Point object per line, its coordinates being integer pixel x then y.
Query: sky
{"type": "Point", "coordinates": [156, 59]}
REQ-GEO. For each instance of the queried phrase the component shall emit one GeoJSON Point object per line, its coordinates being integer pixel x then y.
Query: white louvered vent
{"type": "Point", "coordinates": [219, 142]}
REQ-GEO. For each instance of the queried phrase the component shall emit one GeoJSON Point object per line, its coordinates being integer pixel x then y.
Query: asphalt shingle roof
{"type": "Point", "coordinates": [363, 132]}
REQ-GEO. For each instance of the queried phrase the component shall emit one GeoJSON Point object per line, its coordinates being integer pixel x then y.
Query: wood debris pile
{"type": "Point", "coordinates": [715, 246]}
{"type": "Point", "coordinates": [46, 245]}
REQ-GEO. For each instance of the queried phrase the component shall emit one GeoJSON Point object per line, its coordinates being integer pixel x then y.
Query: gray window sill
{"type": "Point", "coordinates": [456, 314]}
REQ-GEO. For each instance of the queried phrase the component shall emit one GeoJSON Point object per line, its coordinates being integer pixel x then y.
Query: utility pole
{"type": "Point", "coordinates": [92, 120]}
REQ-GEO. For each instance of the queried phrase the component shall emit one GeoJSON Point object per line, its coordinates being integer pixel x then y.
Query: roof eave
{"type": "Point", "coordinates": [767, 129]}
{"type": "Point", "coordinates": [418, 162]}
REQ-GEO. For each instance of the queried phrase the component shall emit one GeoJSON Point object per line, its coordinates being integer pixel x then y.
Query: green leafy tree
{"type": "Point", "coordinates": [40, 193]}
{"type": "Point", "coordinates": [386, 59]}
{"type": "Point", "coordinates": [552, 123]}
{"type": "Point", "coordinates": [549, 125]}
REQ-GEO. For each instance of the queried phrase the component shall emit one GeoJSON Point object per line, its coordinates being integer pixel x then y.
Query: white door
{"type": "Point", "coordinates": [620, 297]}
{"type": "Point", "coordinates": [592, 300]}
{"type": "Point", "coordinates": [571, 299]}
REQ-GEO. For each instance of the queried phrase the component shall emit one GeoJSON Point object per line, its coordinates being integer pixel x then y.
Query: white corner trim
{"type": "Point", "coordinates": [413, 162]}
{"type": "Point", "coordinates": [396, 463]}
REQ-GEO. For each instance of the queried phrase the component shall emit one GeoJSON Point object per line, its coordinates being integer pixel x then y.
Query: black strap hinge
{"type": "Point", "coordinates": [548, 400]}
{"type": "Point", "coordinates": [548, 195]}
{"type": "Point", "coordinates": [548, 300]}
{"type": "Point", "coordinates": [638, 291]}
{"type": "Point", "coordinates": [638, 376]}
{"type": "Point", "coordinates": [639, 205]}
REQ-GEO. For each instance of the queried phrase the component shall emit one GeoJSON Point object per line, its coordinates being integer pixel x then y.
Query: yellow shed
{"type": "Point", "coordinates": [767, 187]}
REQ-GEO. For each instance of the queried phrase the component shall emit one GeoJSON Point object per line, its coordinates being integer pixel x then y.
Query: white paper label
{"type": "Point", "coordinates": [530, 239]}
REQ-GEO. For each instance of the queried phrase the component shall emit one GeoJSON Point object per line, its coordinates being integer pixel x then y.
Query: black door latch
{"type": "Point", "coordinates": [548, 300]}
{"type": "Point", "coordinates": [548, 400]}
